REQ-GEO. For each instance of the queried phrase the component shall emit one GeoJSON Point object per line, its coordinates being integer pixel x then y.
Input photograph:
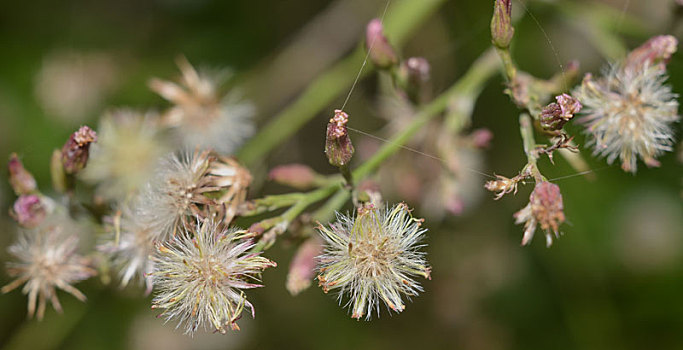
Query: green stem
{"type": "Point", "coordinates": [526, 129]}
{"type": "Point", "coordinates": [400, 21]}
{"type": "Point", "coordinates": [509, 67]}
{"type": "Point", "coordinates": [293, 212]}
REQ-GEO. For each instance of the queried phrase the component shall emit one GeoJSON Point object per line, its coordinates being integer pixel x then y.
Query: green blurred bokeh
{"type": "Point", "coordinates": [614, 280]}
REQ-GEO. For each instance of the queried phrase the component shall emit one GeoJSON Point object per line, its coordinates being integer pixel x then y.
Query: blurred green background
{"type": "Point", "coordinates": [613, 281]}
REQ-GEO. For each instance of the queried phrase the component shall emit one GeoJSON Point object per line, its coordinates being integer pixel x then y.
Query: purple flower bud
{"type": "Point", "coordinates": [28, 211]}
{"type": "Point", "coordinates": [382, 54]}
{"type": "Point", "coordinates": [295, 175]}
{"type": "Point", "coordinates": [21, 180]}
{"type": "Point", "coordinates": [76, 150]}
{"type": "Point", "coordinates": [338, 146]}
{"type": "Point", "coordinates": [501, 24]}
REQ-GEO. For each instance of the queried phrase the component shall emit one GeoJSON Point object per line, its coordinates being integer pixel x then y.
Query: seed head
{"type": "Point", "coordinates": [130, 244]}
{"type": "Point", "coordinates": [199, 277]}
{"type": "Point", "coordinates": [46, 259]}
{"type": "Point", "coordinates": [126, 154]}
{"type": "Point", "coordinates": [373, 256]}
{"type": "Point", "coordinates": [630, 112]}
{"type": "Point", "coordinates": [201, 115]}
{"type": "Point", "coordinates": [545, 208]}
{"type": "Point", "coordinates": [179, 191]}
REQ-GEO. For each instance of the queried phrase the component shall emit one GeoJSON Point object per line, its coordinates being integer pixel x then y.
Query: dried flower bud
{"type": "Point", "coordinates": [28, 210]}
{"type": "Point", "coordinates": [657, 50]}
{"type": "Point", "coordinates": [413, 78]}
{"type": "Point", "coordinates": [21, 180]}
{"type": "Point", "coordinates": [338, 147]}
{"type": "Point", "coordinates": [77, 149]}
{"type": "Point", "coordinates": [382, 54]}
{"type": "Point", "coordinates": [501, 24]}
{"type": "Point", "coordinates": [555, 115]}
{"type": "Point", "coordinates": [545, 208]}
{"type": "Point", "coordinates": [299, 176]}
{"type": "Point", "coordinates": [502, 185]}
{"type": "Point", "coordinates": [302, 268]}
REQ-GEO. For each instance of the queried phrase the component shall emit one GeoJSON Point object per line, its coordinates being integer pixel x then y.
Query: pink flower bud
{"type": "Point", "coordinates": [302, 268]}
{"type": "Point", "coordinates": [19, 178]}
{"type": "Point", "coordinates": [382, 54]}
{"type": "Point", "coordinates": [298, 176]}
{"type": "Point", "coordinates": [28, 210]}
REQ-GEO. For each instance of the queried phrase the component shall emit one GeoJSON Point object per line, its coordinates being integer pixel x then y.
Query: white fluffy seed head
{"type": "Point", "coordinates": [47, 259]}
{"type": "Point", "coordinates": [173, 195]}
{"type": "Point", "coordinates": [200, 275]}
{"type": "Point", "coordinates": [373, 257]}
{"type": "Point", "coordinates": [629, 114]}
{"type": "Point", "coordinates": [130, 244]}
{"type": "Point", "coordinates": [125, 155]}
{"type": "Point", "coordinates": [202, 116]}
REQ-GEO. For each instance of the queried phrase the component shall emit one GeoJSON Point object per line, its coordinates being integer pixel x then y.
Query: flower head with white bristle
{"type": "Point", "coordinates": [373, 257]}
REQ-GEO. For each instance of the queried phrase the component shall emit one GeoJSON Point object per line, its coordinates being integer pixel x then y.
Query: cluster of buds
{"type": "Point", "coordinates": [411, 75]}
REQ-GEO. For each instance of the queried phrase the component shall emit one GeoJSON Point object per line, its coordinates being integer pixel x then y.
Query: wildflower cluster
{"type": "Point", "coordinates": [156, 197]}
